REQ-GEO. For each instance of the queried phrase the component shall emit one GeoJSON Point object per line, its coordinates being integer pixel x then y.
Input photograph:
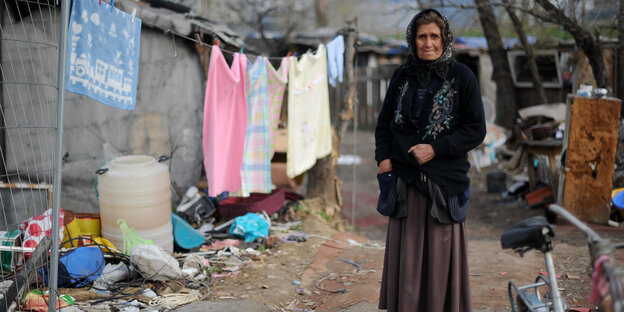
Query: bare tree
{"type": "Point", "coordinates": [321, 13]}
{"type": "Point", "coordinates": [582, 37]}
{"type": "Point", "coordinates": [255, 13]}
{"type": "Point", "coordinates": [530, 54]}
{"type": "Point", "coordinates": [619, 89]}
{"type": "Point", "coordinates": [506, 106]}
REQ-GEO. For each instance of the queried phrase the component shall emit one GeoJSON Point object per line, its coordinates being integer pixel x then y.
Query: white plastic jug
{"type": "Point", "coordinates": [136, 188]}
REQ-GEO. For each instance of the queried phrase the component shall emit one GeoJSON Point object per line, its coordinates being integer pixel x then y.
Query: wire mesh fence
{"type": "Point", "coordinates": [29, 68]}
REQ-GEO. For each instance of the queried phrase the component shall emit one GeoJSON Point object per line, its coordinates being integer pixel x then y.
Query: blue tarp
{"type": "Point", "coordinates": [481, 42]}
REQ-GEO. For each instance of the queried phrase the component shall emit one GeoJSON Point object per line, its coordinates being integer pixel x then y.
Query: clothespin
{"type": "Point", "coordinates": [100, 2]}
{"type": "Point", "coordinates": [289, 53]}
{"type": "Point", "coordinates": [112, 2]}
{"type": "Point", "coordinates": [217, 42]}
{"type": "Point", "coordinates": [133, 14]}
{"type": "Point", "coordinates": [242, 50]}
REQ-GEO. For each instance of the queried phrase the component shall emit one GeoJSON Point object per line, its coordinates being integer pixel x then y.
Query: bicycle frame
{"type": "Point", "coordinates": [536, 233]}
{"type": "Point", "coordinates": [599, 246]}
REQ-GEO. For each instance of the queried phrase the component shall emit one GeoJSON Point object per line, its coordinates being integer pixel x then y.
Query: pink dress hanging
{"type": "Point", "coordinates": [225, 122]}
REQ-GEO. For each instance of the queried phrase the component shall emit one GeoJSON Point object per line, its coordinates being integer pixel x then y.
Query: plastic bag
{"type": "Point", "coordinates": [250, 226]}
{"type": "Point", "coordinates": [36, 300]}
{"type": "Point", "coordinates": [154, 263]}
{"type": "Point", "coordinates": [112, 273]}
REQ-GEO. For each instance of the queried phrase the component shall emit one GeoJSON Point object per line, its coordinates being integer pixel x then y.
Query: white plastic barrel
{"type": "Point", "coordinates": [136, 188]}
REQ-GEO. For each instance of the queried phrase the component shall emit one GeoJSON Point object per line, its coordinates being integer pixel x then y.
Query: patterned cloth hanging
{"type": "Point", "coordinates": [103, 54]}
{"type": "Point", "coordinates": [256, 170]}
{"type": "Point", "coordinates": [277, 80]}
{"type": "Point", "coordinates": [309, 126]}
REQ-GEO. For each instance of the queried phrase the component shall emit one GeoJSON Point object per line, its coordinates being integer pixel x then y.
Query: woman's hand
{"type": "Point", "coordinates": [384, 166]}
{"type": "Point", "coordinates": [422, 152]}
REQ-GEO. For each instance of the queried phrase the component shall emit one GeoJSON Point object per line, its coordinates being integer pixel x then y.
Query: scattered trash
{"type": "Point", "coordinates": [299, 238]}
{"type": "Point", "coordinates": [174, 300]}
{"type": "Point", "coordinates": [111, 274]}
{"type": "Point", "coordinates": [154, 263]}
{"type": "Point", "coordinates": [36, 300]}
{"type": "Point", "coordinates": [184, 234]}
{"type": "Point", "coordinates": [37, 228]}
{"type": "Point", "coordinates": [195, 208]}
{"type": "Point", "coordinates": [131, 238]}
{"type": "Point", "coordinates": [571, 276]}
{"type": "Point", "coordinates": [348, 159]}
{"type": "Point", "coordinates": [298, 283]}
{"type": "Point", "coordinates": [250, 227]}
{"type": "Point", "coordinates": [220, 244]}
{"type": "Point", "coordinates": [353, 263]}
{"type": "Point", "coordinates": [78, 267]}
{"type": "Point", "coordinates": [545, 274]}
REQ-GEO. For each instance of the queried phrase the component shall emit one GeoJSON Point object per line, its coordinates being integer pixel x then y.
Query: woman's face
{"type": "Point", "coordinates": [429, 42]}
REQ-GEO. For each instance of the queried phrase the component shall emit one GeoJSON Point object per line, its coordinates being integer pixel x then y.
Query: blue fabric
{"type": "Point", "coordinates": [335, 60]}
{"type": "Point", "coordinates": [250, 226]}
{"type": "Point", "coordinates": [103, 53]}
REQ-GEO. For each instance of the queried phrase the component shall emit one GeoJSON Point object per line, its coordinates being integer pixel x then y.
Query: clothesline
{"type": "Point", "coordinates": [170, 31]}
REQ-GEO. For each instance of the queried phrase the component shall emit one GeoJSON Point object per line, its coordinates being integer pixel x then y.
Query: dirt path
{"type": "Point", "coordinates": [270, 280]}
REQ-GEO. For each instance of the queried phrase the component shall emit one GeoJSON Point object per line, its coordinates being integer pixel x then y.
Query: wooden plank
{"type": "Point", "coordinates": [592, 142]}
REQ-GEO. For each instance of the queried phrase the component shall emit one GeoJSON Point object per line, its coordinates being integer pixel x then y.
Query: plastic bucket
{"type": "Point", "coordinates": [618, 201]}
{"type": "Point", "coordinates": [136, 188]}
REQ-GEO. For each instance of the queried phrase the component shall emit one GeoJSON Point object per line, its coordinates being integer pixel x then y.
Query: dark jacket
{"type": "Point", "coordinates": [451, 119]}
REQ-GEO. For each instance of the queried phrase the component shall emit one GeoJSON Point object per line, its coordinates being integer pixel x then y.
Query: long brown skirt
{"type": "Point", "coordinates": [426, 262]}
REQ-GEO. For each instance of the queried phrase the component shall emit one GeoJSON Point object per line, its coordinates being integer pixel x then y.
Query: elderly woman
{"type": "Point", "coordinates": [431, 117]}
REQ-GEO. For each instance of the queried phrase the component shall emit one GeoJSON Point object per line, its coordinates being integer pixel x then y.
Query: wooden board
{"type": "Point", "coordinates": [592, 142]}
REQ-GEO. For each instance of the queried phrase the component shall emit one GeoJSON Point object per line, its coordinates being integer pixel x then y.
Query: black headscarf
{"type": "Point", "coordinates": [423, 70]}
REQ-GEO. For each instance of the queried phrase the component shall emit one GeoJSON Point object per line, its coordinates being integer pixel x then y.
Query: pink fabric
{"type": "Point", "coordinates": [225, 122]}
{"type": "Point", "coordinates": [600, 287]}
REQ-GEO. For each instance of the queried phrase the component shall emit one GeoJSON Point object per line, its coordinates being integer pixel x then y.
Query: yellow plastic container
{"type": "Point", "coordinates": [89, 223]}
{"type": "Point", "coordinates": [71, 229]}
{"type": "Point", "coordinates": [136, 188]}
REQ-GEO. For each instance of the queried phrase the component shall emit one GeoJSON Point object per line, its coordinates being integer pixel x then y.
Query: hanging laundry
{"type": "Point", "coordinates": [256, 170]}
{"type": "Point", "coordinates": [335, 59]}
{"type": "Point", "coordinates": [225, 122]}
{"type": "Point", "coordinates": [103, 54]}
{"type": "Point", "coordinates": [309, 127]}
{"type": "Point", "coordinates": [277, 80]}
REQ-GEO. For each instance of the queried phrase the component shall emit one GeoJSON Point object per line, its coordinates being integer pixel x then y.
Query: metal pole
{"type": "Point", "coordinates": [554, 289]}
{"type": "Point", "coordinates": [591, 235]}
{"type": "Point", "coordinates": [58, 156]}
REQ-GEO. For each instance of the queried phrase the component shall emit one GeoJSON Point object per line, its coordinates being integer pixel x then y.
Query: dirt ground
{"type": "Point", "coordinates": [317, 274]}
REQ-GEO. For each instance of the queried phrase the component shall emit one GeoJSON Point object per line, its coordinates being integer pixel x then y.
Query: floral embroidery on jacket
{"type": "Point", "coordinates": [398, 117]}
{"type": "Point", "coordinates": [440, 117]}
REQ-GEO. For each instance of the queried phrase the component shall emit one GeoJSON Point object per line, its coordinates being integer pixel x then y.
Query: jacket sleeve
{"type": "Point", "coordinates": [471, 129]}
{"type": "Point", "coordinates": [383, 134]}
